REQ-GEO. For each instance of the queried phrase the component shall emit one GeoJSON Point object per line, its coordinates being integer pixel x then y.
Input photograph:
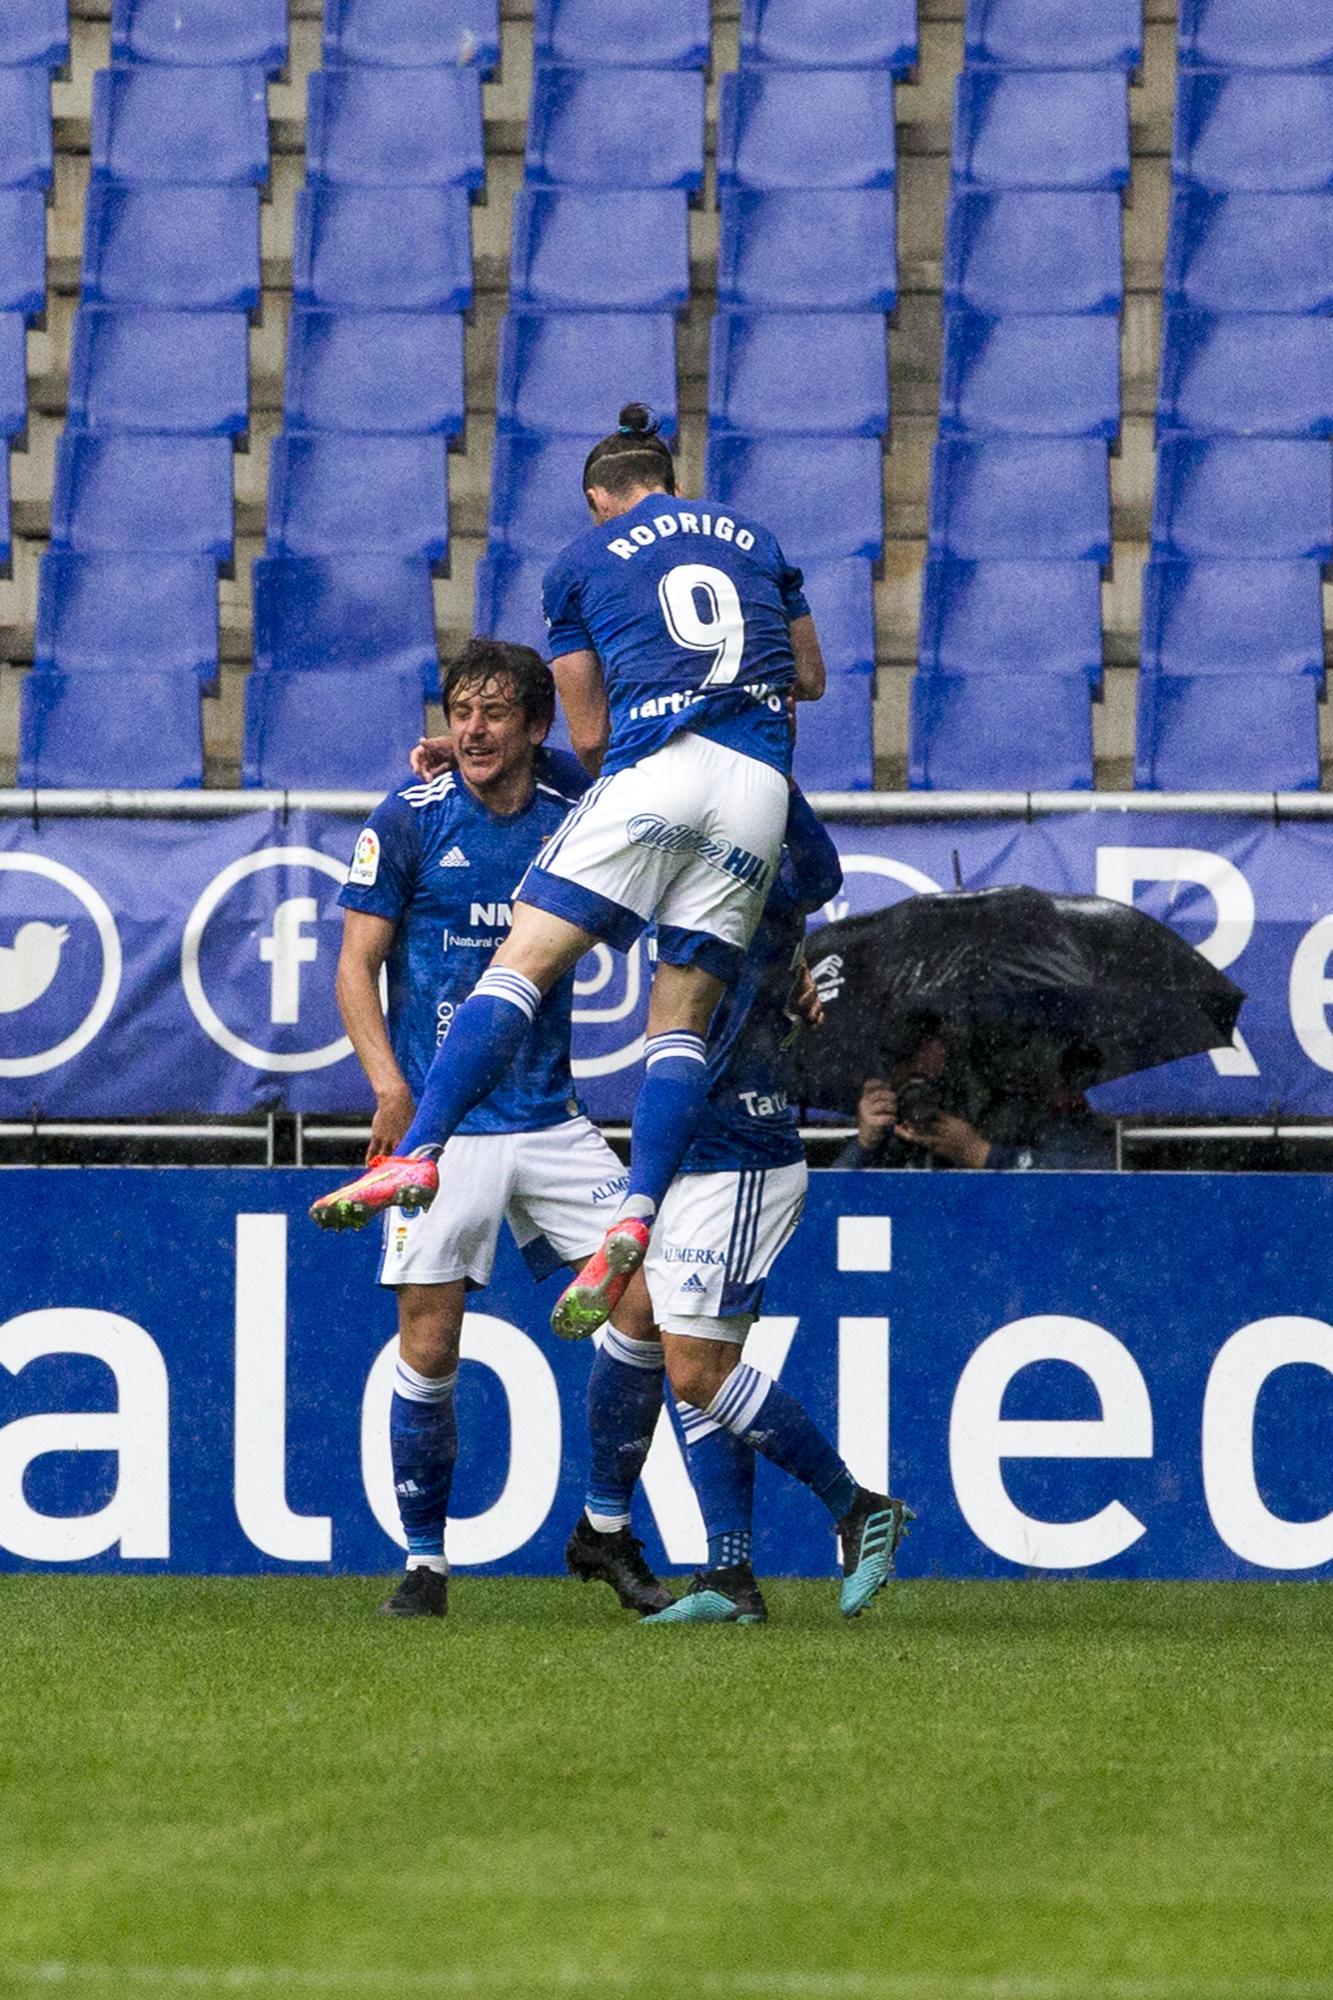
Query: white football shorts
{"type": "Point", "coordinates": [690, 836]}
{"type": "Point", "coordinates": [714, 1244]}
{"type": "Point", "coordinates": [558, 1189]}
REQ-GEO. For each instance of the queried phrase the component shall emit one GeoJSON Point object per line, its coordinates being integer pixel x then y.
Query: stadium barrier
{"type": "Point", "coordinates": [1066, 1375]}
{"type": "Point", "coordinates": [173, 952]}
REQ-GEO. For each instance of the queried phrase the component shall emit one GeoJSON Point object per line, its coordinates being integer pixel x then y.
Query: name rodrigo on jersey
{"type": "Point", "coordinates": [721, 527]}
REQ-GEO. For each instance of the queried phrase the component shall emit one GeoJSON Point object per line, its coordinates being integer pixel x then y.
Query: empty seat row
{"type": "Point", "coordinates": [35, 32]}
{"type": "Point", "coordinates": [1235, 34]}
{"type": "Point", "coordinates": [1249, 252]}
{"type": "Point", "coordinates": [1246, 375]}
{"type": "Point", "coordinates": [1263, 132]}
{"type": "Point", "coordinates": [202, 33]}
{"type": "Point", "coordinates": [814, 34]}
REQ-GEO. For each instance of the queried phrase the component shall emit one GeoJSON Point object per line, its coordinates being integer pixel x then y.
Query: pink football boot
{"type": "Point", "coordinates": [387, 1183]}
{"type": "Point", "coordinates": [593, 1296]}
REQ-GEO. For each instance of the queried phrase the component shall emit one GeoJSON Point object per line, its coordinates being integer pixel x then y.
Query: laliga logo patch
{"type": "Point", "coordinates": [59, 971]}
{"type": "Point", "coordinates": [366, 859]}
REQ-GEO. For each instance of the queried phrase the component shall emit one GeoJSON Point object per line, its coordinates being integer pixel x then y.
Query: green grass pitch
{"type": "Point", "coordinates": [1026, 1791]}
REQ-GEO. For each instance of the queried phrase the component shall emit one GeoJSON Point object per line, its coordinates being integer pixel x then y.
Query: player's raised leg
{"type": "Point", "coordinates": [423, 1441]}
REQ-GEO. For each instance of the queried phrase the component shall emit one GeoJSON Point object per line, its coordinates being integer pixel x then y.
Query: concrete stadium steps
{"type": "Point", "coordinates": [924, 117]}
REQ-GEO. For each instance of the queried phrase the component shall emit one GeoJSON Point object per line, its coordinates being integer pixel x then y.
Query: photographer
{"type": "Point", "coordinates": [1016, 1106]}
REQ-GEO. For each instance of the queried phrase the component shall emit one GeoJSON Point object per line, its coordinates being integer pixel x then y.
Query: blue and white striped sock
{"type": "Point", "coordinates": [754, 1407]}
{"type": "Point", "coordinates": [423, 1444]}
{"type": "Point", "coordinates": [624, 1397]}
{"type": "Point", "coordinates": [721, 1469]}
{"type": "Point", "coordinates": [670, 1104]}
{"type": "Point", "coordinates": [488, 1032]}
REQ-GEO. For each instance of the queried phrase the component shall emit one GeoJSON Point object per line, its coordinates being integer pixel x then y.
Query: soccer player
{"type": "Point", "coordinates": [428, 892]}
{"type": "Point", "coordinates": [735, 1203]}
{"type": "Point", "coordinates": [679, 634]}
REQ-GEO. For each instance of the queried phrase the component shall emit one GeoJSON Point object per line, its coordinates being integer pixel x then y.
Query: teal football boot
{"type": "Point", "coordinates": [869, 1535]}
{"type": "Point", "coordinates": [717, 1597]}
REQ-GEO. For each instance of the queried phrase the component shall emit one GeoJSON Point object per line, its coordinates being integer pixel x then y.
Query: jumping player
{"type": "Point", "coordinates": [679, 634]}
{"type": "Point", "coordinates": [428, 893]}
{"type": "Point", "coordinates": [735, 1203]}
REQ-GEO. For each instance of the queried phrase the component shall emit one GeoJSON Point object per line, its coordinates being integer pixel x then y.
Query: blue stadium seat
{"type": "Point", "coordinates": [133, 370]}
{"type": "Point", "coordinates": [6, 538]}
{"type": "Point", "coordinates": [1041, 129]}
{"type": "Point", "coordinates": [375, 371]}
{"type": "Point", "coordinates": [154, 124]}
{"type": "Point", "coordinates": [1054, 34]}
{"type": "Point", "coordinates": [1254, 133]}
{"type": "Point", "coordinates": [143, 495]}
{"type": "Point", "coordinates": [126, 614]}
{"type": "Point", "coordinates": [1250, 252]}
{"type": "Point", "coordinates": [1235, 34]}
{"type": "Point", "coordinates": [194, 248]}
{"type": "Point", "coordinates": [812, 250]}
{"type": "Point", "coordinates": [22, 251]}
{"type": "Point", "coordinates": [787, 482]}
{"type": "Point", "coordinates": [1000, 733]}
{"type": "Point", "coordinates": [1035, 250]}
{"type": "Point", "coordinates": [1011, 618]}
{"type": "Point", "coordinates": [1229, 498]}
{"type": "Point", "coordinates": [1227, 733]}
{"type": "Point", "coordinates": [835, 737]}
{"type": "Point", "coordinates": [641, 128]}
{"type": "Point", "coordinates": [201, 33]}
{"type": "Point", "coordinates": [507, 599]}
{"type": "Point", "coordinates": [395, 128]}
{"type": "Point", "coordinates": [13, 375]}
{"type": "Point", "coordinates": [830, 34]}
{"type": "Point", "coordinates": [128, 730]}
{"type": "Point", "coordinates": [537, 502]}
{"type": "Point", "coordinates": [25, 127]}
{"type": "Point", "coordinates": [566, 374]}
{"type": "Point", "coordinates": [362, 612]}
{"type": "Point", "coordinates": [841, 596]}
{"type": "Point", "coordinates": [402, 34]}
{"type": "Point", "coordinates": [288, 742]}
{"type": "Point", "coordinates": [1232, 618]}
{"type": "Point", "coordinates": [1246, 375]}
{"type": "Point", "coordinates": [404, 249]}
{"type": "Point", "coordinates": [1016, 498]}
{"type": "Point", "coordinates": [830, 128]}
{"type": "Point", "coordinates": [802, 373]}
{"type": "Point", "coordinates": [575, 251]}
{"type": "Point", "coordinates": [35, 31]}
{"type": "Point", "coordinates": [636, 34]}
{"type": "Point", "coordinates": [1033, 375]}
{"type": "Point", "coordinates": [339, 494]}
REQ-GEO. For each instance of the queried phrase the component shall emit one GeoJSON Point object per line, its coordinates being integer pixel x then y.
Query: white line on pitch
{"type": "Point", "coordinates": [780, 1985]}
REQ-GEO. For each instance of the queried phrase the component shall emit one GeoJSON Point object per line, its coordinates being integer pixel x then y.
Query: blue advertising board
{"type": "Point", "coordinates": [1068, 1375]}
{"type": "Point", "coordinates": [186, 965]}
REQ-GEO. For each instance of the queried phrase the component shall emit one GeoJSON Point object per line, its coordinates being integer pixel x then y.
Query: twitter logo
{"type": "Point", "coordinates": [28, 966]}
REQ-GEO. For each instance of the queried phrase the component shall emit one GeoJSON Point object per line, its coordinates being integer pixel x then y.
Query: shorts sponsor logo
{"type": "Point", "coordinates": [651, 830]}
{"type": "Point", "coordinates": [691, 1253]}
{"type": "Point", "coordinates": [608, 1190]}
{"type": "Point", "coordinates": [365, 859]}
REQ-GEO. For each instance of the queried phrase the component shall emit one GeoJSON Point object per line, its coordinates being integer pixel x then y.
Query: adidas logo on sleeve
{"type": "Point", "coordinates": [455, 858]}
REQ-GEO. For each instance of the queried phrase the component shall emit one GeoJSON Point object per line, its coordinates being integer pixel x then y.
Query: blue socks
{"type": "Point", "coordinates": [488, 1031]}
{"type": "Point", "coordinates": [423, 1443]}
{"type": "Point", "coordinates": [624, 1397]}
{"type": "Point", "coordinates": [753, 1407]}
{"type": "Point", "coordinates": [670, 1104]}
{"type": "Point", "coordinates": [722, 1474]}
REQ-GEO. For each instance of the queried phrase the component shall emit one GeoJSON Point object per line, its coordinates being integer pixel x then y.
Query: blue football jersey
{"type": "Point", "coordinates": [749, 1120]}
{"type": "Point", "coordinates": [689, 608]}
{"type": "Point", "coordinates": [441, 866]}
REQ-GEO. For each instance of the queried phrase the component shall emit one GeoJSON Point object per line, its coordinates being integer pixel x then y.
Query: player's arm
{"type": "Point", "coordinates": [811, 867]}
{"type": "Point", "coordinates": [365, 946]}
{"type": "Point", "coordinates": [810, 671]}
{"type": "Point", "coordinates": [582, 689]}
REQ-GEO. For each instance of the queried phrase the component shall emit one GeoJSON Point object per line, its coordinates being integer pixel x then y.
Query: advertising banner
{"type": "Point", "coordinates": [186, 966]}
{"type": "Point", "coordinates": [1090, 1375]}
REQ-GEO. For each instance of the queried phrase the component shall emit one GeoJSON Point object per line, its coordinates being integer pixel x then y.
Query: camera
{"type": "Point", "coordinates": [920, 1101]}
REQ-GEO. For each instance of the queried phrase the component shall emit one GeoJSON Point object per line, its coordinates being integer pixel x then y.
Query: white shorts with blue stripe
{"type": "Point", "coordinates": [714, 1244]}
{"type": "Point", "coordinates": [558, 1189]}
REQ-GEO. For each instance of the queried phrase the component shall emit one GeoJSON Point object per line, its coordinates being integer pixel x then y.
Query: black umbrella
{"type": "Point", "coordinates": [993, 964]}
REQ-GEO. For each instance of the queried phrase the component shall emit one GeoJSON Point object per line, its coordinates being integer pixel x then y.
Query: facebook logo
{"type": "Point", "coordinates": [285, 950]}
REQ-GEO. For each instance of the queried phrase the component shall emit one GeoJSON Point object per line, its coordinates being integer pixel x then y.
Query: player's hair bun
{"type": "Point", "coordinates": [637, 420]}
